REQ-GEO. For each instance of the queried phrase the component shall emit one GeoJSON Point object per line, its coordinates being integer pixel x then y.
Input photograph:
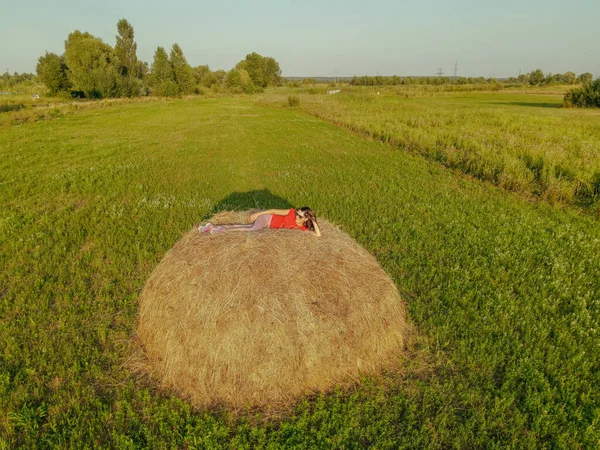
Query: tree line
{"type": "Point", "coordinates": [396, 80]}
{"type": "Point", "coordinates": [534, 78]}
{"type": "Point", "coordinates": [8, 81]}
{"type": "Point", "coordinates": [538, 78]}
{"type": "Point", "coordinates": [90, 68]}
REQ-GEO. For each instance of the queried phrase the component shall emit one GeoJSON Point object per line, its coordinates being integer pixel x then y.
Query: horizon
{"type": "Point", "coordinates": [334, 40]}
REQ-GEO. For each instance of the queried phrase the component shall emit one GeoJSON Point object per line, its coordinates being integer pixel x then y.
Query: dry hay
{"type": "Point", "coordinates": [258, 319]}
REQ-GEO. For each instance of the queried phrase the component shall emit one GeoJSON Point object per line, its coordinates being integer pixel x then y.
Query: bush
{"type": "Point", "coordinates": [251, 88]}
{"type": "Point", "coordinates": [293, 101]}
{"type": "Point", "coordinates": [587, 96]}
{"type": "Point", "coordinates": [167, 88]}
{"type": "Point", "coordinates": [128, 86]}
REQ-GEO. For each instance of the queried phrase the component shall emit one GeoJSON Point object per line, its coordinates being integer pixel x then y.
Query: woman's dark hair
{"type": "Point", "coordinates": [310, 215]}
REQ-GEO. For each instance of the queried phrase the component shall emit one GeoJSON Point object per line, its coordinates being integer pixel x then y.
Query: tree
{"type": "Point", "coordinates": [182, 71]}
{"type": "Point", "coordinates": [161, 71]}
{"type": "Point", "coordinates": [536, 77]}
{"type": "Point", "coordinates": [52, 71]}
{"type": "Point", "coordinates": [585, 78]}
{"type": "Point", "coordinates": [126, 49]}
{"type": "Point", "coordinates": [220, 75]}
{"type": "Point", "coordinates": [255, 67]}
{"type": "Point", "coordinates": [262, 70]}
{"type": "Point", "coordinates": [243, 64]}
{"type": "Point", "coordinates": [131, 69]}
{"type": "Point", "coordinates": [272, 72]}
{"type": "Point", "coordinates": [552, 79]}
{"type": "Point", "coordinates": [569, 77]}
{"type": "Point", "coordinates": [162, 79]}
{"type": "Point", "coordinates": [204, 76]}
{"type": "Point", "coordinates": [233, 78]}
{"type": "Point", "coordinates": [92, 65]}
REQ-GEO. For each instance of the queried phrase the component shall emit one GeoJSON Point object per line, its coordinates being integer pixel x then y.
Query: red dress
{"type": "Point", "coordinates": [287, 221]}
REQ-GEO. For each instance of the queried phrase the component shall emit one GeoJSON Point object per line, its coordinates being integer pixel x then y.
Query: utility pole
{"type": "Point", "coordinates": [440, 73]}
{"type": "Point", "coordinates": [455, 69]}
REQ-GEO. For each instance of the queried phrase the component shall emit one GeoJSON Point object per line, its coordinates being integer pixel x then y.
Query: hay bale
{"type": "Point", "coordinates": [258, 319]}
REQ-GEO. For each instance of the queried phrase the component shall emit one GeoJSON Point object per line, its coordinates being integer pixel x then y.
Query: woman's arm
{"type": "Point", "coordinates": [317, 230]}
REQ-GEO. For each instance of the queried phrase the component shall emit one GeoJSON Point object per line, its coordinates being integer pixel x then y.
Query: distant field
{"type": "Point", "coordinates": [521, 140]}
{"type": "Point", "coordinates": [504, 293]}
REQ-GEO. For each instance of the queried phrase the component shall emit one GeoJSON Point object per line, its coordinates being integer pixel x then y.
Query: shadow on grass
{"type": "Point", "coordinates": [530, 104]}
{"type": "Point", "coordinates": [258, 199]}
{"type": "Point", "coordinates": [8, 108]}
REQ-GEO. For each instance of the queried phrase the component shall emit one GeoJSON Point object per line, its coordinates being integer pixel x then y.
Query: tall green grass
{"type": "Point", "coordinates": [523, 143]}
{"type": "Point", "coordinates": [503, 293]}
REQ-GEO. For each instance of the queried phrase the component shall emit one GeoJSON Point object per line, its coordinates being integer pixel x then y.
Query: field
{"type": "Point", "coordinates": [521, 141]}
{"type": "Point", "coordinates": [503, 291]}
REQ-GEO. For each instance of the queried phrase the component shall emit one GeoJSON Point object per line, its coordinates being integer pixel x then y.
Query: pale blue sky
{"type": "Point", "coordinates": [325, 38]}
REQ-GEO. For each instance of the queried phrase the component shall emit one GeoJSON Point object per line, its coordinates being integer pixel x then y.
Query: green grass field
{"type": "Point", "coordinates": [518, 140]}
{"type": "Point", "coordinates": [504, 293]}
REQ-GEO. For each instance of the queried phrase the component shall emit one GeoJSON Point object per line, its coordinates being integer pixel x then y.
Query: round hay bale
{"type": "Point", "coordinates": [258, 319]}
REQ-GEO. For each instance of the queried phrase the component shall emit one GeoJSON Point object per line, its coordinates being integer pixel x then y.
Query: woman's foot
{"type": "Point", "coordinates": [216, 230]}
{"type": "Point", "coordinates": [205, 228]}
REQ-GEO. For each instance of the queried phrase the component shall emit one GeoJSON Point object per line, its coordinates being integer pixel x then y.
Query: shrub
{"type": "Point", "coordinates": [128, 87]}
{"type": "Point", "coordinates": [251, 88]}
{"type": "Point", "coordinates": [587, 96]}
{"type": "Point", "coordinates": [167, 88]}
{"type": "Point", "coordinates": [293, 101]}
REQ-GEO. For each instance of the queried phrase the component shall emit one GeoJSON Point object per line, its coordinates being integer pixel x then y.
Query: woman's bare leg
{"type": "Point", "coordinates": [231, 227]}
{"type": "Point", "coordinates": [260, 223]}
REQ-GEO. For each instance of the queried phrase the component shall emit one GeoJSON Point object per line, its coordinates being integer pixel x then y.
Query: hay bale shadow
{"type": "Point", "coordinates": [250, 201]}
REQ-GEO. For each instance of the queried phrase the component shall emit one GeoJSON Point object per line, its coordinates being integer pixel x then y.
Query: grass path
{"type": "Point", "coordinates": [506, 293]}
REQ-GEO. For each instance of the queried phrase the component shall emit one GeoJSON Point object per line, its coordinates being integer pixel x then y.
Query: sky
{"type": "Point", "coordinates": [325, 38]}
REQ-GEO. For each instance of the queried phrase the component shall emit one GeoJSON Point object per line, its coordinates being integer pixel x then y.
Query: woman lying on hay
{"type": "Point", "coordinates": [303, 219]}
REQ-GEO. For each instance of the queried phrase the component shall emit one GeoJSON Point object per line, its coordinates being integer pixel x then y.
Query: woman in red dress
{"type": "Point", "coordinates": [303, 219]}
